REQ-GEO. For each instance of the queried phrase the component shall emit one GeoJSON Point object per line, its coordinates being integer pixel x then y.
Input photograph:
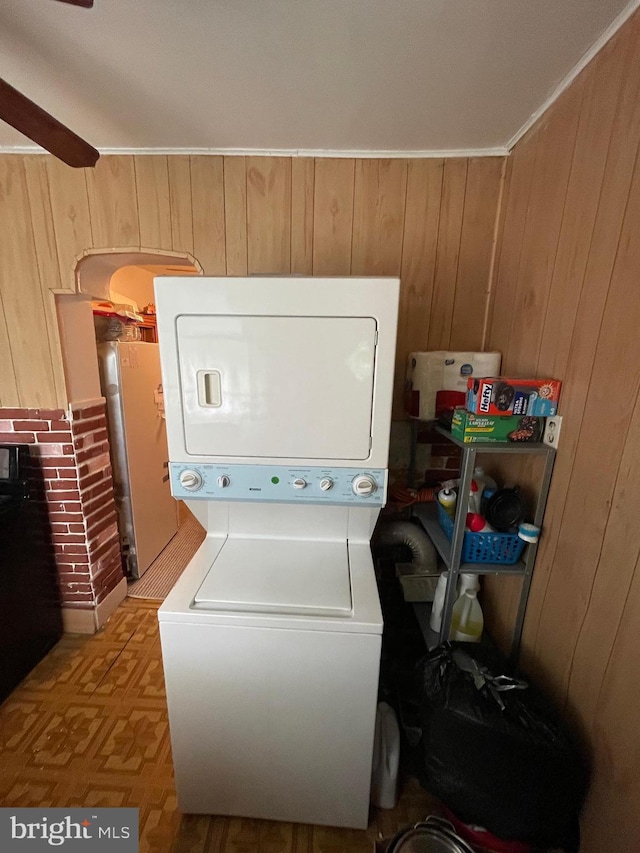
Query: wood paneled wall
{"type": "Point", "coordinates": [566, 304]}
{"type": "Point", "coordinates": [428, 221]}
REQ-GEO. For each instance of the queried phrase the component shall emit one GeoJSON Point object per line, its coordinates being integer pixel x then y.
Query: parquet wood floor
{"type": "Point", "coordinates": [89, 727]}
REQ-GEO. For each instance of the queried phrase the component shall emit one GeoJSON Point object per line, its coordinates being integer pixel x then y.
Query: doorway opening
{"type": "Point", "coordinates": [110, 351]}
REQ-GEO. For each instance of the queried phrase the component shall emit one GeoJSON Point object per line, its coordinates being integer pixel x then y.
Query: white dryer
{"type": "Point", "coordinates": [278, 405]}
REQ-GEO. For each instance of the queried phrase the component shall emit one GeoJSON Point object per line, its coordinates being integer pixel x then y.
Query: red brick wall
{"type": "Point", "coordinates": [444, 458]}
{"type": "Point", "coordinates": [73, 453]}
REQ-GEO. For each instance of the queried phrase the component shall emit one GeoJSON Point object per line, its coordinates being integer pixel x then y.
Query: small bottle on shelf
{"type": "Point", "coordinates": [477, 523]}
{"type": "Point", "coordinates": [447, 499]}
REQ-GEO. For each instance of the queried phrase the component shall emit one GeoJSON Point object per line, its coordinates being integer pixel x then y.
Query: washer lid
{"type": "Point", "coordinates": [294, 576]}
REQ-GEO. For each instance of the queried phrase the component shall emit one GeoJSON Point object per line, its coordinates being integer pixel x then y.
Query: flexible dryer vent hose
{"type": "Point", "coordinates": [423, 554]}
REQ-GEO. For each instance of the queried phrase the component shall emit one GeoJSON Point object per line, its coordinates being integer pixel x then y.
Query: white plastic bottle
{"type": "Point", "coordinates": [480, 477]}
{"type": "Point", "coordinates": [474, 498]}
{"type": "Point", "coordinates": [486, 487]}
{"type": "Point", "coordinates": [435, 620]}
{"type": "Point", "coordinates": [467, 621]}
{"type": "Point", "coordinates": [468, 581]}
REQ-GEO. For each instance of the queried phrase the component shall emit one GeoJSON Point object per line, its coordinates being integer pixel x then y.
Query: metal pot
{"type": "Point", "coordinates": [433, 835]}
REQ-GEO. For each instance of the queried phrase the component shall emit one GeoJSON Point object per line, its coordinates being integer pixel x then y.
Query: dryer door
{"type": "Point", "coordinates": [283, 387]}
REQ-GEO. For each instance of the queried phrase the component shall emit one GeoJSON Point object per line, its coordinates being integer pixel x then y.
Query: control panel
{"type": "Point", "coordinates": [276, 483]}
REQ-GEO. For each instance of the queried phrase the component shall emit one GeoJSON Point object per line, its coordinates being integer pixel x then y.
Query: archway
{"type": "Point", "coordinates": [93, 274]}
{"type": "Point", "coordinates": [104, 484]}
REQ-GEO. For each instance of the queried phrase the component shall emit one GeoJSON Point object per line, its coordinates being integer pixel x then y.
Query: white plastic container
{"type": "Point", "coordinates": [468, 581]}
{"type": "Point", "coordinates": [467, 621]}
{"type": "Point", "coordinates": [441, 370]}
{"type": "Point", "coordinates": [483, 480]}
{"type": "Point", "coordinates": [474, 498]}
{"type": "Point", "coordinates": [485, 483]}
{"type": "Point", "coordinates": [386, 758]}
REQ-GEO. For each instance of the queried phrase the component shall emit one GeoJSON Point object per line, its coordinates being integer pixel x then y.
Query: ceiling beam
{"type": "Point", "coordinates": [43, 129]}
{"type": "Point", "coordinates": [86, 4]}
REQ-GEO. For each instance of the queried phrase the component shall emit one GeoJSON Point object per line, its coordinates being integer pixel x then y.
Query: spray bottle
{"type": "Point", "coordinates": [474, 498]}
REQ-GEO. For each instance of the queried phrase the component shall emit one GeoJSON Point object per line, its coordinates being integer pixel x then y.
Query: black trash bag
{"type": "Point", "coordinates": [495, 752]}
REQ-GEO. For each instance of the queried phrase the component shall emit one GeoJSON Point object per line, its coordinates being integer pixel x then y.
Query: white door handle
{"type": "Point", "coordinates": [209, 388]}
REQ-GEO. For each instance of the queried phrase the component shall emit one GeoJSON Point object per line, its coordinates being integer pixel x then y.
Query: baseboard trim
{"type": "Point", "coordinates": [105, 609]}
{"type": "Point", "coordinates": [76, 621]}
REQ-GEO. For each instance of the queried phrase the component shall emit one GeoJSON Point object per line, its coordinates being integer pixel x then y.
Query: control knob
{"type": "Point", "coordinates": [326, 484]}
{"type": "Point", "coordinates": [224, 481]}
{"type": "Point", "coordinates": [299, 483]}
{"type": "Point", "coordinates": [364, 485]}
{"type": "Point", "coordinates": [191, 480]}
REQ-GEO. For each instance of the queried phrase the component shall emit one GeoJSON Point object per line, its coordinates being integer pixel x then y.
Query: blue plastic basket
{"type": "Point", "coordinates": [504, 548]}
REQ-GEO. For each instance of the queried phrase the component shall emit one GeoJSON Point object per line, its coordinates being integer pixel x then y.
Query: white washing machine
{"type": "Point", "coordinates": [278, 404]}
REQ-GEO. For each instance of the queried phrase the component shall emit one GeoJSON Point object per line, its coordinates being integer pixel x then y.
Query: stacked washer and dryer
{"type": "Point", "coordinates": [278, 405]}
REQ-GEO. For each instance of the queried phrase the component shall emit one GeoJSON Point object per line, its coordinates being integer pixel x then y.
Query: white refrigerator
{"type": "Point", "coordinates": [147, 513]}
